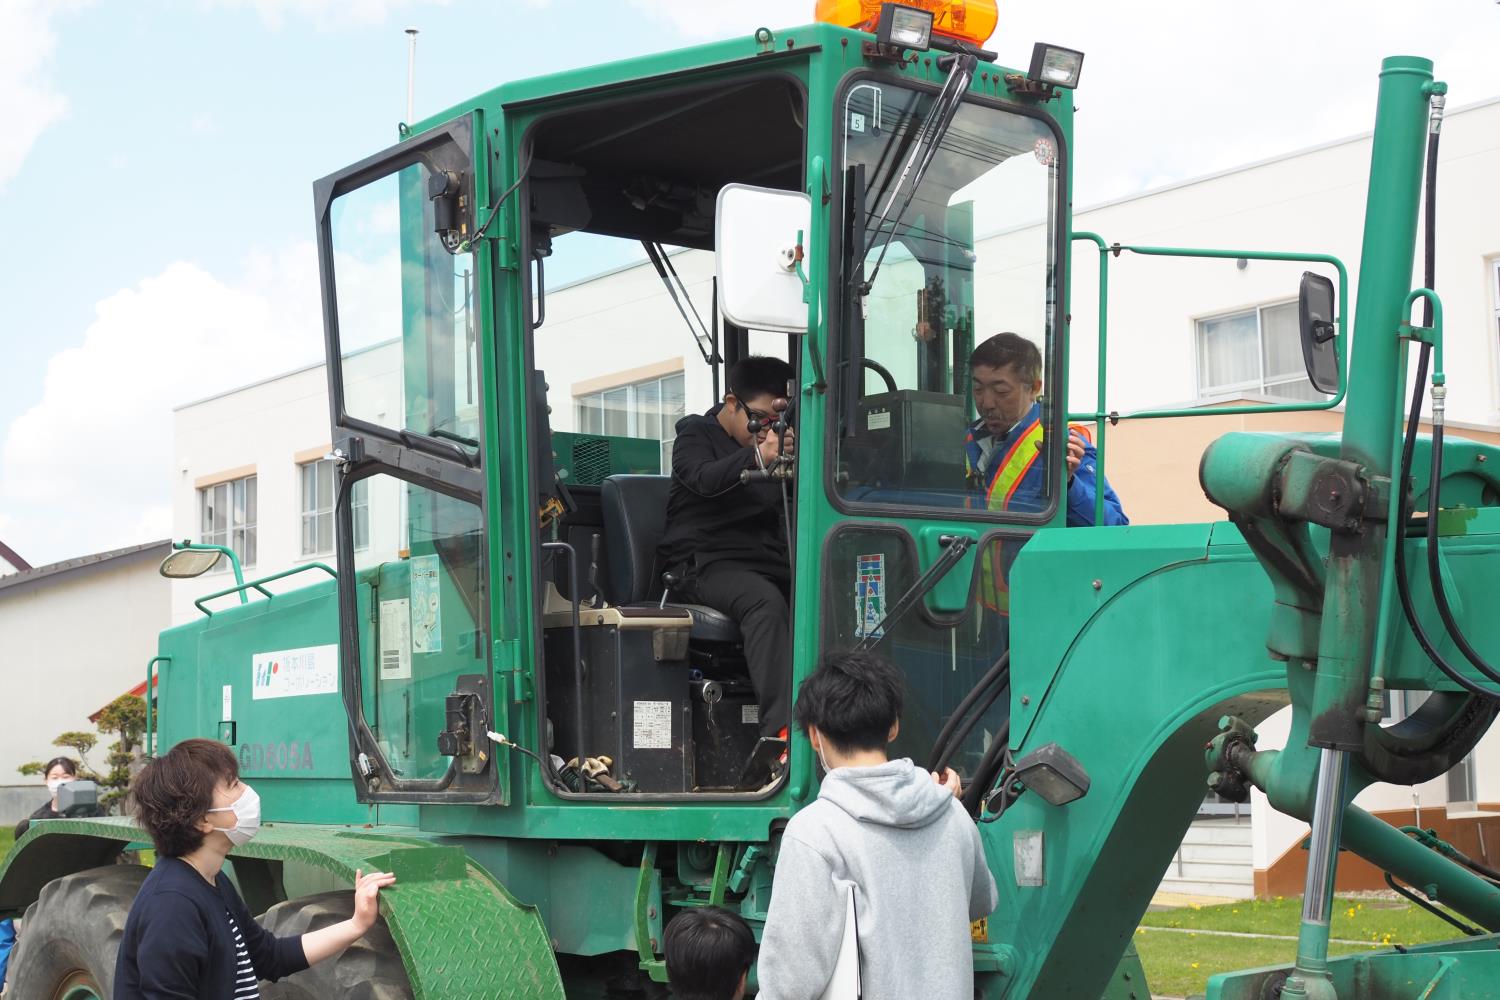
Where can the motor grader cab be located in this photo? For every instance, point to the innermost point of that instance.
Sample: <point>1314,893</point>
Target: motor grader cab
<point>495,692</point>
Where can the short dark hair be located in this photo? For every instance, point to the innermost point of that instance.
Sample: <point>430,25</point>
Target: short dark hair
<point>758,375</point>
<point>66,763</point>
<point>174,791</point>
<point>853,698</point>
<point>708,949</point>
<point>1009,349</point>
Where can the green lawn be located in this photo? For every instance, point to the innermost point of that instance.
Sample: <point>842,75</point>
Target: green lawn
<point>7,839</point>
<point>1179,964</point>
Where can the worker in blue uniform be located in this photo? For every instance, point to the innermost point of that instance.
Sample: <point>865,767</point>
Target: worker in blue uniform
<point>1005,458</point>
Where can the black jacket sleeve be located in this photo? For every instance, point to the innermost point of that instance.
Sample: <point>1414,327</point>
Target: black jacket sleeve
<point>695,466</point>
<point>273,957</point>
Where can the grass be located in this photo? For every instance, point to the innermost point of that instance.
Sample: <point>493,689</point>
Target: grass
<point>7,839</point>
<point>1179,964</point>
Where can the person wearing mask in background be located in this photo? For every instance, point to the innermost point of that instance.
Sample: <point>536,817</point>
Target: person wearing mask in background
<point>60,771</point>
<point>189,933</point>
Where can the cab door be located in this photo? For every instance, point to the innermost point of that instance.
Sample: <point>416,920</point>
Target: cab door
<point>406,303</point>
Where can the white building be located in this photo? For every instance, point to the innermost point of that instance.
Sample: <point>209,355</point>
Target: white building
<point>77,634</point>
<point>1182,333</point>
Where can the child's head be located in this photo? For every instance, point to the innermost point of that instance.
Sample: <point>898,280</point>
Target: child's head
<point>709,951</point>
<point>853,700</point>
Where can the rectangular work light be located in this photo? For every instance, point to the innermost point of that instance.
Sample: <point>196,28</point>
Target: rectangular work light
<point>904,27</point>
<point>1055,66</point>
<point>1054,774</point>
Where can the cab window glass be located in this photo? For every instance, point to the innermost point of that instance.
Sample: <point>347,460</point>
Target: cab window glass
<point>974,255</point>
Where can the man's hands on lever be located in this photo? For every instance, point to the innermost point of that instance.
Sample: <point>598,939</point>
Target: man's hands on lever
<point>771,448</point>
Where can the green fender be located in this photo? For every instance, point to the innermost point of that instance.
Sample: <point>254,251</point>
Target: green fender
<point>461,935</point>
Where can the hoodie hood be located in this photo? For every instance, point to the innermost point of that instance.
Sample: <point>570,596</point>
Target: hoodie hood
<point>896,793</point>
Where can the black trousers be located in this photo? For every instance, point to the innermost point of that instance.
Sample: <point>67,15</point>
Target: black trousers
<point>758,604</point>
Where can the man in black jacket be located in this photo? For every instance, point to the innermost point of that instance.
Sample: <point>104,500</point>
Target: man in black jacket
<point>726,539</point>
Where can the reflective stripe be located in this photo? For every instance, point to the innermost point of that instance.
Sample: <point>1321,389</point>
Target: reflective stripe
<point>1013,468</point>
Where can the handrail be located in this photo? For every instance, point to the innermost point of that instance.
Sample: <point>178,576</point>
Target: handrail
<point>149,746</point>
<point>1102,415</point>
<point>258,585</point>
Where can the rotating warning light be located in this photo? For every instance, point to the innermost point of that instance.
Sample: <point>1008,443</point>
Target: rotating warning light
<point>969,21</point>
<point>1055,66</point>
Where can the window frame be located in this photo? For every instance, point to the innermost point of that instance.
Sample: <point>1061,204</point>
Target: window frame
<point>633,415</point>
<point>1054,350</point>
<point>247,527</point>
<point>1259,386</point>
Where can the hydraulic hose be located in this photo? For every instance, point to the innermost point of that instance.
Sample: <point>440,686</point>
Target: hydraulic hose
<point>988,769</point>
<point>1403,585</point>
<point>947,741</point>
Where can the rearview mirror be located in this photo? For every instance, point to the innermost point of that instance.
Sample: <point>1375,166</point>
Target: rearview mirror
<point>184,564</point>
<point>757,257</point>
<point>1317,314</point>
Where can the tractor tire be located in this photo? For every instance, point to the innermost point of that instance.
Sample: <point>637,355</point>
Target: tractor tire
<point>70,937</point>
<point>369,969</point>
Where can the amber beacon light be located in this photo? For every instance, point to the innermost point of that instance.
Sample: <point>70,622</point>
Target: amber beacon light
<point>971,21</point>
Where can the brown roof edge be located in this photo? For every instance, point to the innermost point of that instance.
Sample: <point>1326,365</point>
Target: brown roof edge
<point>37,573</point>
<point>9,555</point>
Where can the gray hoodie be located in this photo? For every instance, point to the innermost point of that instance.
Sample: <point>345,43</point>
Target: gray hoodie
<point>919,875</point>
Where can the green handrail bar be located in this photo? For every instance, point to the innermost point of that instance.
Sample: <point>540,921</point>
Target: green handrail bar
<point>1102,416</point>
<point>150,745</point>
<point>259,585</point>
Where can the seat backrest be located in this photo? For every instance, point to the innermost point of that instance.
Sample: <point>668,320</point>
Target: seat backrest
<point>635,515</point>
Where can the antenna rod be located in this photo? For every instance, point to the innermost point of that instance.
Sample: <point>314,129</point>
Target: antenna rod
<point>411,72</point>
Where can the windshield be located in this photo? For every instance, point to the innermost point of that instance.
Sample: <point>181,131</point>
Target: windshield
<point>974,255</point>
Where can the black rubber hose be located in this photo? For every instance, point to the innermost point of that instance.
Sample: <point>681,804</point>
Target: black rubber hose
<point>940,748</point>
<point>1434,568</point>
<point>957,740</point>
<point>988,770</point>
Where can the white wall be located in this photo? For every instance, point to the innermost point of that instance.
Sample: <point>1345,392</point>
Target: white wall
<point>72,643</point>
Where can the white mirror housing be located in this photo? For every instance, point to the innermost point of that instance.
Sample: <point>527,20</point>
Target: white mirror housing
<point>755,244</point>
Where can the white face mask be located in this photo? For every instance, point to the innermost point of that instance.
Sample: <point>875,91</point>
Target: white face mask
<point>53,784</point>
<point>821,759</point>
<point>246,811</point>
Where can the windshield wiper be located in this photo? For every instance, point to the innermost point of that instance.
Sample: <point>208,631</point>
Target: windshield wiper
<point>707,344</point>
<point>929,138</point>
<point>955,547</point>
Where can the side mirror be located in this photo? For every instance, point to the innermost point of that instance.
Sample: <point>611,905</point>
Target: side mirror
<point>184,564</point>
<point>1317,315</point>
<point>756,256</point>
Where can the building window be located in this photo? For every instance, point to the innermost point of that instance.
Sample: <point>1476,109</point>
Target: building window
<point>647,409</point>
<point>1258,352</point>
<point>318,498</point>
<point>227,515</point>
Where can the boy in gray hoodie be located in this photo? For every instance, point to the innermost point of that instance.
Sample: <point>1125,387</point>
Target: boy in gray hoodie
<point>892,831</point>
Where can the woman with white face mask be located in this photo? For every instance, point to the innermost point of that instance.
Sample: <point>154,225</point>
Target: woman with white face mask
<point>60,771</point>
<point>189,933</point>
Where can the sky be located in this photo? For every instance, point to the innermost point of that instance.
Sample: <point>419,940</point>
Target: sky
<point>157,161</point>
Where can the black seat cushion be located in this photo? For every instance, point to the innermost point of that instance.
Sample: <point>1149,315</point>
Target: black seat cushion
<point>635,516</point>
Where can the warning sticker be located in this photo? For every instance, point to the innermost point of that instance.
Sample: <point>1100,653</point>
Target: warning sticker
<point>426,606</point>
<point>750,715</point>
<point>869,596</point>
<point>395,639</point>
<point>653,725</point>
<point>291,673</point>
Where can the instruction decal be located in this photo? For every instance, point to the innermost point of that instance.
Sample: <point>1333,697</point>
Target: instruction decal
<point>426,606</point>
<point>869,596</point>
<point>292,673</point>
<point>653,725</point>
<point>395,639</point>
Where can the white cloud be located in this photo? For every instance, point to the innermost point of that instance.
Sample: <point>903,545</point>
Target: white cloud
<point>87,468</point>
<point>325,14</point>
<point>29,104</point>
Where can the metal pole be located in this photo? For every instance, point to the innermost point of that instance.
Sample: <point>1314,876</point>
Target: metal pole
<point>411,73</point>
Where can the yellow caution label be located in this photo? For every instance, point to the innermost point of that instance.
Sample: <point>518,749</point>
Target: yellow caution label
<point>979,930</point>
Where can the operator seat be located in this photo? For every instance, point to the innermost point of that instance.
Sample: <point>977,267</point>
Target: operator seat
<point>635,516</point>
